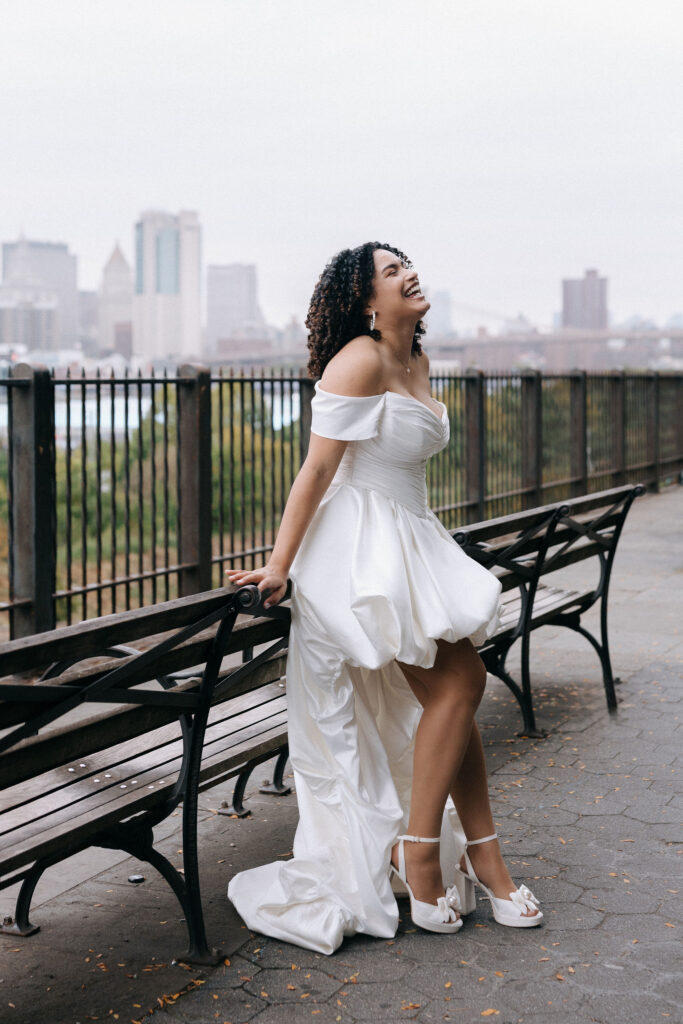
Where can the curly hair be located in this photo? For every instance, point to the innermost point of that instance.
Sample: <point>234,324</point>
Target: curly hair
<point>337,310</point>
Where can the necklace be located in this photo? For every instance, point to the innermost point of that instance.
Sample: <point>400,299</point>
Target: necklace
<point>406,366</point>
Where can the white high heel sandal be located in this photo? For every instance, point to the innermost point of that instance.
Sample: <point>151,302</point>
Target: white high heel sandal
<point>438,917</point>
<point>510,912</point>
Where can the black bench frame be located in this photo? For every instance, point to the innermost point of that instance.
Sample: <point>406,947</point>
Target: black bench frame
<point>521,549</point>
<point>187,699</point>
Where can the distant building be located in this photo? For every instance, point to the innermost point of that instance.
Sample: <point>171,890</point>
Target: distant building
<point>294,337</point>
<point>584,301</point>
<point>166,301</point>
<point>439,316</point>
<point>87,321</point>
<point>519,324</point>
<point>47,267</point>
<point>115,304</point>
<point>28,320</point>
<point>232,306</point>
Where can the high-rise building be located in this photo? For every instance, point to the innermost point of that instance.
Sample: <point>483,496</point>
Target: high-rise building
<point>115,302</point>
<point>584,301</point>
<point>27,321</point>
<point>87,321</point>
<point>48,267</point>
<point>232,307</point>
<point>166,301</point>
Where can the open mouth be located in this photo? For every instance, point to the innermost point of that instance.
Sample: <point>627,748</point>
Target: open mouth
<point>414,292</point>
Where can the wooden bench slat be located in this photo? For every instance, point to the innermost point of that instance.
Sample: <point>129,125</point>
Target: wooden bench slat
<point>88,639</point>
<point>124,805</point>
<point>70,742</point>
<point>523,520</point>
<point>39,791</point>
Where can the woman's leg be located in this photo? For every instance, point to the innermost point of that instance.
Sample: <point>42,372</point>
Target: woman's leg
<point>449,758</point>
<point>449,693</point>
<point>470,794</point>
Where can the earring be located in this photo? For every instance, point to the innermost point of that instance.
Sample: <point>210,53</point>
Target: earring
<point>373,317</point>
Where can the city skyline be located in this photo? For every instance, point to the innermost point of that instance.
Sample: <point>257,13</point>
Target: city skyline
<point>502,146</point>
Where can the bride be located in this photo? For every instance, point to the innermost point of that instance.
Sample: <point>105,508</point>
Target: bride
<point>383,679</point>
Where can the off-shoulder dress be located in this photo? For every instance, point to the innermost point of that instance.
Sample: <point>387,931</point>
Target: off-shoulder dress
<point>377,580</point>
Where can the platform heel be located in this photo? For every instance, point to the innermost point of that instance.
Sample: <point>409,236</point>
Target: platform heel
<point>466,892</point>
<point>439,917</point>
<point>511,912</point>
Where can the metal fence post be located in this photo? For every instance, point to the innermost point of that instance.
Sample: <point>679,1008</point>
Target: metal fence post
<point>306,393</point>
<point>652,398</point>
<point>617,412</point>
<point>33,555</point>
<point>194,479</point>
<point>475,446</point>
<point>578,426</point>
<point>532,439</point>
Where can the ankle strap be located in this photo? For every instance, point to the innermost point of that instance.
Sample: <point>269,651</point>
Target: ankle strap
<point>486,839</point>
<point>401,850</point>
<point>419,839</point>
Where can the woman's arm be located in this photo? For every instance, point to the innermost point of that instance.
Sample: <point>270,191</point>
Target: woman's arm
<point>355,371</point>
<point>314,477</point>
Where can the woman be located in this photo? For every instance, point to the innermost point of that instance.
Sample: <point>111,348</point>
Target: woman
<point>383,679</point>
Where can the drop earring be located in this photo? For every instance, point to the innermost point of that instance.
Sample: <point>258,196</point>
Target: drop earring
<point>373,317</point>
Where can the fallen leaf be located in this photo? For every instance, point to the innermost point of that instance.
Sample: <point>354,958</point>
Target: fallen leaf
<point>489,1013</point>
<point>559,977</point>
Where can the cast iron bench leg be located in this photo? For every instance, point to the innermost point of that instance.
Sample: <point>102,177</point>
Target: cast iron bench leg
<point>277,787</point>
<point>21,925</point>
<point>237,808</point>
<point>140,843</point>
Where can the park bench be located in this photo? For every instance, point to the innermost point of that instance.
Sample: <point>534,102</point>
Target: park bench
<point>111,738</point>
<point>178,719</point>
<point>522,549</point>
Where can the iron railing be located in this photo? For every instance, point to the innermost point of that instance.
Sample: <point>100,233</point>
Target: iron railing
<point>116,492</point>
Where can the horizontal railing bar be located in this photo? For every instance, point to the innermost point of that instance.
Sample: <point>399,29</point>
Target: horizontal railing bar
<point>146,574</point>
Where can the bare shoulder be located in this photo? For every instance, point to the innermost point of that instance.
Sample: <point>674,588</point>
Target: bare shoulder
<point>356,370</point>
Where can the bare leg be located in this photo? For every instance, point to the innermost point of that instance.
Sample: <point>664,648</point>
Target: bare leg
<point>471,797</point>
<point>449,757</point>
<point>449,693</point>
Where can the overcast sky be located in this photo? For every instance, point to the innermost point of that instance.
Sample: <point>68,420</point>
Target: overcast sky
<point>503,144</point>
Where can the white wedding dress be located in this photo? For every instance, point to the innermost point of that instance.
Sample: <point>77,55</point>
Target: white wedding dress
<point>376,579</point>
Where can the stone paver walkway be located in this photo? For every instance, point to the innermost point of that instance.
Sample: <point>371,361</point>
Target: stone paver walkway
<point>590,816</point>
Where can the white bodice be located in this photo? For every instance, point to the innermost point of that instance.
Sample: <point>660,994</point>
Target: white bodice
<point>394,437</point>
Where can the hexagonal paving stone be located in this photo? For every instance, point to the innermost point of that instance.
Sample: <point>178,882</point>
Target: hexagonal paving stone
<point>649,812</point>
<point>231,1004</point>
<point>570,917</point>
<point>629,1007</point>
<point>288,1014</point>
<point>369,965</point>
<point>282,985</point>
<point>620,900</point>
<point>390,1002</point>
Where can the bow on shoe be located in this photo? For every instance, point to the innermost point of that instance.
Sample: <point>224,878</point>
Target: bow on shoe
<point>449,904</point>
<point>524,899</point>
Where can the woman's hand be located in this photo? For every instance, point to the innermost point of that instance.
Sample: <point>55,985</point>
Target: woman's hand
<point>271,581</point>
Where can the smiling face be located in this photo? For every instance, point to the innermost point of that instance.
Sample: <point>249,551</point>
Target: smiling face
<point>397,295</point>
